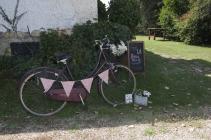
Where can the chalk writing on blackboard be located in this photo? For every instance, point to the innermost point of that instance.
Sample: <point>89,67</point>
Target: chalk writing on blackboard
<point>136,56</point>
<point>135,59</point>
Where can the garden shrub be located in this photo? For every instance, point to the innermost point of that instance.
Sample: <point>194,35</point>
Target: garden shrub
<point>168,21</point>
<point>170,14</point>
<point>81,44</point>
<point>196,29</point>
<point>177,7</point>
<point>15,67</point>
<point>23,64</point>
<point>52,42</point>
<point>5,63</point>
<point>188,20</point>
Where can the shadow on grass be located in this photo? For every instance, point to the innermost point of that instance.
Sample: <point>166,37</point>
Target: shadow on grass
<point>180,90</point>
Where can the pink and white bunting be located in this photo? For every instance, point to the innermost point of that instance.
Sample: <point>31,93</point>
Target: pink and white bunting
<point>68,86</point>
<point>104,76</point>
<point>87,83</point>
<point>47,84</point>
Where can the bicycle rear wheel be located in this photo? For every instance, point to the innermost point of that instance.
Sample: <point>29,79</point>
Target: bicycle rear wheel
<point>121,82</point>
<point>32,95</point>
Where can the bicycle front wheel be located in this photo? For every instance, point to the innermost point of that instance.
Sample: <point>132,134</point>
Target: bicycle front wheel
<point>121,82</point>
<point>32,95</point>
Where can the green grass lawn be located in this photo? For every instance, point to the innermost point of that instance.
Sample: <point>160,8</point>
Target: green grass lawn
<point>177,75</point>
<point>176,50</point>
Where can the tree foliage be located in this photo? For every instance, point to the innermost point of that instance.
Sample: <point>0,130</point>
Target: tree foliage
<point>167,20</point>
<point>170,13</point>
<point>187,20</point>
<point>176,7</point>
<point>125,12</point>
<point>102,13</point>
<point>149,13</point>
<point>196,28</point>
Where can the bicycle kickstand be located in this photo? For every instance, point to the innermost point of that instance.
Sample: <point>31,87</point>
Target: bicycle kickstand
<point>85,106</point>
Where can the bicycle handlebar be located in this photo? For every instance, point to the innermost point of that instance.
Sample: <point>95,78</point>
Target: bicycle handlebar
<point>104,43</point>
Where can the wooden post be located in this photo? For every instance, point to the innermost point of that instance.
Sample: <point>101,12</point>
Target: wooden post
<point>154,34</point>
<point>149,34</point>
<point>164,36</point>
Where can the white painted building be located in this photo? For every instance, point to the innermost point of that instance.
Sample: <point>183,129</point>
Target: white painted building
<point>51,13</point>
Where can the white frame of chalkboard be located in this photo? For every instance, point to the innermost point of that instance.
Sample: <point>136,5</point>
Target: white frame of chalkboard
<point>143,56</point>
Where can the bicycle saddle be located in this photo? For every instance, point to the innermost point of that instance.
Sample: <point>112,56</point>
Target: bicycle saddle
<point>62,57</point>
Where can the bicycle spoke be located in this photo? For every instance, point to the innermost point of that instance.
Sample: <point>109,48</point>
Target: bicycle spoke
<point>120,84</point>
<point>33,97</point>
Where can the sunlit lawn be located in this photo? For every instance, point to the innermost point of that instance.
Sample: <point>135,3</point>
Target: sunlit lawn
<point>176,73</point>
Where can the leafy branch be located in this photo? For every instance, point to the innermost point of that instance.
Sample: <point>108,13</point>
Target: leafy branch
<point>12,22</point>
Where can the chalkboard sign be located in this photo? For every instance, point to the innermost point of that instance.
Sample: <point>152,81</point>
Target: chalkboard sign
<point>24,48</point>
<point>136,56</point>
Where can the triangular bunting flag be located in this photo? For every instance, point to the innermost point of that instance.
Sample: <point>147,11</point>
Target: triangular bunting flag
<point>68,86</point>
<point>87,83</point>
<point>47,84</point>
<point>104,76</point>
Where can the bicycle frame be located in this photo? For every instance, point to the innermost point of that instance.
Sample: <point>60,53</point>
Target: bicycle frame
<point>96,70</point>
<point>102,57</point>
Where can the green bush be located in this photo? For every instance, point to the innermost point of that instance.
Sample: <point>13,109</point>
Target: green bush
<point>196,29</point>
<point>23,64</point>
<point>168,21</point>
<point>188,20</point>
<point>81,44</point>
<point>5,63</point>
<point>52,42</point>
<point>15,67</point>
<point>177,7</point>
<point>125,12</point>
<point>170,14</point>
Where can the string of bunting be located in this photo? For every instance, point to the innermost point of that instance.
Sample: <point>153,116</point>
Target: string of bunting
<point>68,85</point>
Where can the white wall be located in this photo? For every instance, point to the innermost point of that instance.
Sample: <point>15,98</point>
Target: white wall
<point>51,13</point>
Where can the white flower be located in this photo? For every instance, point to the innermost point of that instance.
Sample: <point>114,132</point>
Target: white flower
<point>147,93</point>
<point>113,49</point>
<point>118,50</point>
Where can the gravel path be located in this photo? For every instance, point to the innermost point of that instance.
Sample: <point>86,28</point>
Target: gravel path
<point>167,131</point>
<point>92,127</point>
